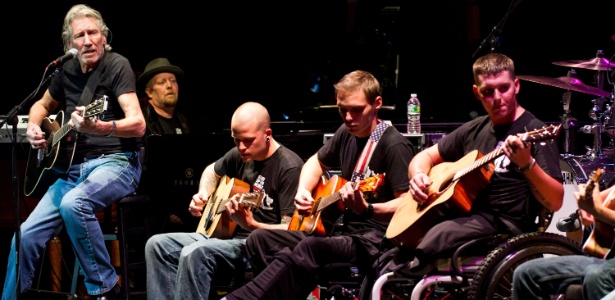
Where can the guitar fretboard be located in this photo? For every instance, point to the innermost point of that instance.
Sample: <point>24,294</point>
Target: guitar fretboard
<point>532,136</point>
<point>59,134</point>
<point>478,163</point>
<point>328,200</point>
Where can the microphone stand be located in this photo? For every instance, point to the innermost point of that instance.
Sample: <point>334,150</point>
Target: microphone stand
<point>493,37</point>
<point>12,119</point>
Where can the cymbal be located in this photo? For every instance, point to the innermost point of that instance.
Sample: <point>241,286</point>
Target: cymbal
<point>566,82</point>
<point>597,63</point>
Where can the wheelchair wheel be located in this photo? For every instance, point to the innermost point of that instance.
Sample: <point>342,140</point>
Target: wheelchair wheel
<point>493,279</point>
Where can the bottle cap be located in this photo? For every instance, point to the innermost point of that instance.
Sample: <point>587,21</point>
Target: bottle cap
<point>413,95</point>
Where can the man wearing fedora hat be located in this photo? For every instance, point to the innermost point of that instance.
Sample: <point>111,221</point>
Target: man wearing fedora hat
<point>159,83</point>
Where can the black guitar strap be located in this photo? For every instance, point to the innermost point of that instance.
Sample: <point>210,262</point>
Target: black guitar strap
<point>90,87</point>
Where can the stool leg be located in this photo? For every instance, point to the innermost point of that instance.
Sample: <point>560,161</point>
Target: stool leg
<point>55,263</point>
<point>122,247</point>
<point>76,270</point>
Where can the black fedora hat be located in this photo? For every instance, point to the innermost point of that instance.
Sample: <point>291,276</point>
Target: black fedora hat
<point>156,66</point>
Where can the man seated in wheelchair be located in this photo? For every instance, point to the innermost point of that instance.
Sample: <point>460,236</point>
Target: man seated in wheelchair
<point>543,277</point>
<point>508,178</point>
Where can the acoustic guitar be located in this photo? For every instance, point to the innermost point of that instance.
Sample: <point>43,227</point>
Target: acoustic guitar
<point>454,185</point>
<point>323,217</point>
<point>602,238</point>
<point>218,225</point>
<point>58,154</point>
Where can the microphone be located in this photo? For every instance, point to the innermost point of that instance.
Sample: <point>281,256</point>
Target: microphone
<point>70,54</point>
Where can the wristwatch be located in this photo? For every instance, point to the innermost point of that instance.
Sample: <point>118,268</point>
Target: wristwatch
<point>528,166</point>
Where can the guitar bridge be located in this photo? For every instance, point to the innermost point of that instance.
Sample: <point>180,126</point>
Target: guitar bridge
<point>39,157</point>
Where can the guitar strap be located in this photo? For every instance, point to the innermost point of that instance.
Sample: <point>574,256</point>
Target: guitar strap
<point>90,87</point>
<point>368,150</point>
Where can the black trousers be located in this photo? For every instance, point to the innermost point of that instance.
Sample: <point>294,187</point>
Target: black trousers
<point>442,239</point>
<point>293,262</point>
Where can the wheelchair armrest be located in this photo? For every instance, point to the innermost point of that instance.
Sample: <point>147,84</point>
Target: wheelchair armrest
<point>455,269</point>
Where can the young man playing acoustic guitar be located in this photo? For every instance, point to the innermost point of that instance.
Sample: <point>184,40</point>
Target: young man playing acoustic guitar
<point>524,176</point>
<point>293,259</point>
<point>543,277</point>
<point>184,265</point>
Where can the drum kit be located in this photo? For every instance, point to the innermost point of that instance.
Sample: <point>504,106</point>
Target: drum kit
<point>576,169</point>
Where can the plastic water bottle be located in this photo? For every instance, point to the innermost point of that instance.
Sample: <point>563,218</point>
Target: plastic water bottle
<point>414,114</point>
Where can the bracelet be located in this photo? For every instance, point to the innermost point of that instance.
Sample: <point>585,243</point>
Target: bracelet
<point>112,129</point>
<point>528,166</point>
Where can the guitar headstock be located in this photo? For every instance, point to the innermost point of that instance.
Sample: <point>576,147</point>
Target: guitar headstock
<point>593,179</point>
<point>96,108</point>
<point>542,134</point>
<point>252,200</point>
<point>371,184</point>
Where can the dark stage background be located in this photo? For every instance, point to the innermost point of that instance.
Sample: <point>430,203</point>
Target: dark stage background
<point>274,53</point>
<point>234,51</point>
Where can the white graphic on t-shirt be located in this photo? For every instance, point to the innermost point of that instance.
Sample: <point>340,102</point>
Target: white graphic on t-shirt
<point>502,162</point>
<point>267,202</point>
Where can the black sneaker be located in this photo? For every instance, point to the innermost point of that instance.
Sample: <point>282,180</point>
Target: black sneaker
<point>417,269</point>
<point>112,294</point>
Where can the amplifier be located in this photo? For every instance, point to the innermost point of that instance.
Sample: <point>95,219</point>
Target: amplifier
<point>6,132</point>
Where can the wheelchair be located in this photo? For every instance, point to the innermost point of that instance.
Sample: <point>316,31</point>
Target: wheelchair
<point>480,269</point>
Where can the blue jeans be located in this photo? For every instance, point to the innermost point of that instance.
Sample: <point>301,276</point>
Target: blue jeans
<point>182,265</point>
<point>540,278</point>
<point>71,202</point>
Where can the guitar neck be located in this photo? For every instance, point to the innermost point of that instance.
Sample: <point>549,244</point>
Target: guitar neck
<point>248,200</point>
<point>60,133</point>
<point>367,185</point>
<point>546,133</point>
<point>479,163</point>
<point>328,200</point>
<point>92,110</point>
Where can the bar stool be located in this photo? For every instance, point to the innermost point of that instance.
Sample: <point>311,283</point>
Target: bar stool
<point>131,264</point>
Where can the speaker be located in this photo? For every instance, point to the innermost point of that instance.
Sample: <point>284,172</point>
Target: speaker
<point>32,294</point>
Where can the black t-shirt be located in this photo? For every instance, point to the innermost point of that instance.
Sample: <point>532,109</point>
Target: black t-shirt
<point>116,78</point>
<point>508,192</point>
<point>277,176</point>
<point>391,157</point>
<point>157,124</point>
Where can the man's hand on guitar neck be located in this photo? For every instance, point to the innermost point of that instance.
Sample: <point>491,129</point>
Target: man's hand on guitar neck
<point>82,124</point>
<point>599,207</point>
<point>518,151</point>
<point>239,213</point>
<point>353,198</point>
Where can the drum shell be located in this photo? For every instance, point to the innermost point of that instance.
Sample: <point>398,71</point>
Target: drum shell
<point>576,170</point>
<point>581,167</point>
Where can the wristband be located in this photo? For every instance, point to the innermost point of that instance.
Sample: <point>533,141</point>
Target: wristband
<point>369,212</point>
<point>528,166</point>
<point>112,129</point>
